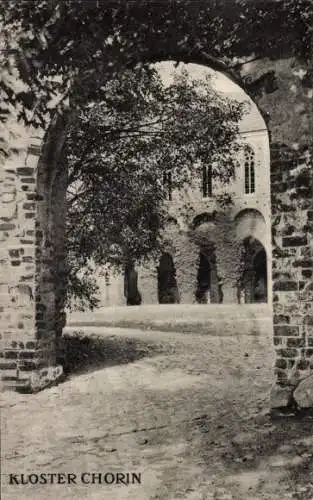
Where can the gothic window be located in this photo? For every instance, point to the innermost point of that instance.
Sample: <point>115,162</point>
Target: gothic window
<point>167,183</point>
<point>206,181</point>
<point>249,171</point>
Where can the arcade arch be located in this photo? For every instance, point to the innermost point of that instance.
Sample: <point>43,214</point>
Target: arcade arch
<point>48,196</point>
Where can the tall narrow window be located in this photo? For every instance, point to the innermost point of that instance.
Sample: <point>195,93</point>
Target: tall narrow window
<point>167,183</point>
<point>206,181</point>
<point>249,171</point>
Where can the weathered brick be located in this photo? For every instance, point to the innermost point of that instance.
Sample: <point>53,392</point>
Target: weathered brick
<point>7,226</point>
<point>308,320</point>
<point>31,345</point>
<point>27,242</point>
<point>310,215</point>
<point>281,318</point>
<point>11,354</point>
<point>285,286</point>
<point>287,353</point>
<point>8,366</point>
<point>29,206</point>
<point>30,196</point>
<point>295,342</point>
<point>281,376</point>
<point>303,263</point>
<point>14,253</point>
<point>281,363</point>
<point>27,354</point>
<point>303,364</point>
<point>28,180</point>
<point>278,341</point>
<point>294,241</point>
<point>25,171</point>
<point>28,366</point>
<point>28,258</point>
<point>286,330</point>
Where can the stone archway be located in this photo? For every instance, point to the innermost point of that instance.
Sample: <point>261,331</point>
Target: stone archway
<point>168,292</point>
<point>28,232</point>
<point>208,287</point>
<point>254,282</point>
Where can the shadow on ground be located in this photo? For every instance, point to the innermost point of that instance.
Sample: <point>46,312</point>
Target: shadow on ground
<point>265,448</point>
<point>82,354</point>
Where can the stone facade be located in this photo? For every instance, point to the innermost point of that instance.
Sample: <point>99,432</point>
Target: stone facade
<point>199,225</point>
<point>32,239</point>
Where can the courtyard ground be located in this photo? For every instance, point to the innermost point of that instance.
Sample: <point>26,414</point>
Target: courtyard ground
<point>188,411</point>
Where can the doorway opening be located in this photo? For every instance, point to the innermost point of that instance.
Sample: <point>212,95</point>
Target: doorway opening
<point>167,284</point>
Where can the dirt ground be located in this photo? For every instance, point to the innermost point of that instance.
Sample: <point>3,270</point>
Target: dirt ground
<point>189,412</point>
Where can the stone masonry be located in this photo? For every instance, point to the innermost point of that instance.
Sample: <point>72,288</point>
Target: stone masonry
<point>32,264</point>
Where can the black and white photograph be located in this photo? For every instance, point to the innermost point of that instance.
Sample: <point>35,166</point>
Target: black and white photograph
<point>156,249</point>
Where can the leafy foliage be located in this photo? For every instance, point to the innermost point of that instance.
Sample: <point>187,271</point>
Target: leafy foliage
<point>64,50</point>
<point>120,147</point>
<point>60,45</point>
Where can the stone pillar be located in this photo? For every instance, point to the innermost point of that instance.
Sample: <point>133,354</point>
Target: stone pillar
<point>148,283</point>
<point>25,358</point>
<point>214,285</point>
<point>228,260</point>
<point>33,256</point>
<point>230,292</point>
<point>17,269</point>
<point>186,260</point>
<point>292,275</point>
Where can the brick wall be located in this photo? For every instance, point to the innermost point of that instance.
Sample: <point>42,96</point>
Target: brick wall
<point>290,109</point>
<point>17,267</point>
<point>292,264</point>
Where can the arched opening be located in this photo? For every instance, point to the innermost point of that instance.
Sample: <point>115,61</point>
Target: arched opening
<point>202,219</point>
<point>208,282</point>
<point>167,284</point>
<point>260,267</point>
<point>209,288</point>
<point>254,284</point>
<point>250,222</point>
<point>203,280</point>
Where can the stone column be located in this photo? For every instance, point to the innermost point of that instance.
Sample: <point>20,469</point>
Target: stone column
<point>186,260</point>
<point>228,259</point>
<point>148,283</point>
<point>21,357</point>
<point>32,242</point>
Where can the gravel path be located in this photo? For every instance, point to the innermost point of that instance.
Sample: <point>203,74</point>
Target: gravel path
<point>190,414</point>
